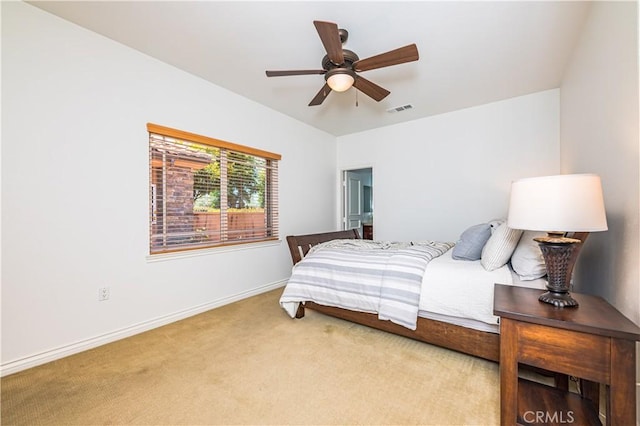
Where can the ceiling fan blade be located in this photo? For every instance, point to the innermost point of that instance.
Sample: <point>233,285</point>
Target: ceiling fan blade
<point>321,95</point>
<point>370,89</point>
<point>330,37</point>
<point>293,72</point>
<point>393,57</point>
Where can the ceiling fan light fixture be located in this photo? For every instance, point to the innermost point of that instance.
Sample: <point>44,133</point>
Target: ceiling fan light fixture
<point>340,79</point>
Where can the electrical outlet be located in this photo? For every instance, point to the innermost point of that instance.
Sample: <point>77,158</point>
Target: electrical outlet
<point>103,293</point>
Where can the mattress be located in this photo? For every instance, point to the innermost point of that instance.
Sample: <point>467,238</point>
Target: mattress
<point>460,292</point>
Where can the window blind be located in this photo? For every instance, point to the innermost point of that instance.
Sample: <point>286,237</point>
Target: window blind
<point>205,192</point>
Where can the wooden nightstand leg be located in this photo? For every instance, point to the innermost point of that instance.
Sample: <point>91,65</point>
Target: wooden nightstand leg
<point>508,373</point>
<point>561,381</point>
<point>622,392</point>
<point>591,391</point>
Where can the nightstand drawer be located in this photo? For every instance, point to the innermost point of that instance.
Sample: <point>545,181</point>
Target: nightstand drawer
<point>567,348</point>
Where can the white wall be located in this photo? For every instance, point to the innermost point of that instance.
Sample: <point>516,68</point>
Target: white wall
<point>75,189</point>
<point>437,176</point>
<point>600,134</point>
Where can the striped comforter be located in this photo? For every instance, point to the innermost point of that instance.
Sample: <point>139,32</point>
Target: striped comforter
<point>361,275</point>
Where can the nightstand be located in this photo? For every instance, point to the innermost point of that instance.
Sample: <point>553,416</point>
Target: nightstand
<point>367,231</point>
<point>593,342</point>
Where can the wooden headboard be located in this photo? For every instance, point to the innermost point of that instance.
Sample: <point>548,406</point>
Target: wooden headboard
<point>299,245</point>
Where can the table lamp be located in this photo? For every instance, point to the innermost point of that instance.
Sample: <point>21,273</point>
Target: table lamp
<point>558,205</point>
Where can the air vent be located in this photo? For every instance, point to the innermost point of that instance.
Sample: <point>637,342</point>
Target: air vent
<point>399,108</point>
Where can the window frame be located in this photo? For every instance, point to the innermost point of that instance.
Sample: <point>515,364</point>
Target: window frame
<point>271,194</point>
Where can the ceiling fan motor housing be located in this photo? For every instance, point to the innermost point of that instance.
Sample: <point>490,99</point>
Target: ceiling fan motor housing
<point>349,58</point>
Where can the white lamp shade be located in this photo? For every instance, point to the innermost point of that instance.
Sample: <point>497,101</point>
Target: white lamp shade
<point>562,203</point>
<point>340,81</point>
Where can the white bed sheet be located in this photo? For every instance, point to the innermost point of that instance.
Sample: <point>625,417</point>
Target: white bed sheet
<point>462,322</point>
<point>461,292</point>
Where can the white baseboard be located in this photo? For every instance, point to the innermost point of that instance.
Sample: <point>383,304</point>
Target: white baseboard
<point>83,345</point>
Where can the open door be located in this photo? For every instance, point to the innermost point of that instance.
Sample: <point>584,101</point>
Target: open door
<point>353,201</point>
<point>355,183</point>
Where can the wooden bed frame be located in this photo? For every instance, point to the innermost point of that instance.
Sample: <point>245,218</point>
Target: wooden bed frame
<point>469,341</point>
<point>482,344</point>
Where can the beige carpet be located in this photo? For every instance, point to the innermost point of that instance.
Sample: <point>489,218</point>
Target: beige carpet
<point>249,363</point>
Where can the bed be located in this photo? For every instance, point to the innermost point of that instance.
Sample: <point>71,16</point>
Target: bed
<point>436,324</point>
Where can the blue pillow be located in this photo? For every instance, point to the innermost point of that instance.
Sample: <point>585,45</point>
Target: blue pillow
<point>471,242</point>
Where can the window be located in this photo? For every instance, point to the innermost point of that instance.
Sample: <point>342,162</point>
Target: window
<point>204,192</point>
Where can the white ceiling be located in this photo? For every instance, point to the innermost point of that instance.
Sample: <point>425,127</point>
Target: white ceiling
<point>471,53</point>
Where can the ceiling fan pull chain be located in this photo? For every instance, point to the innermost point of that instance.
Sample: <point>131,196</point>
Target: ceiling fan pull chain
<point>356,98</point>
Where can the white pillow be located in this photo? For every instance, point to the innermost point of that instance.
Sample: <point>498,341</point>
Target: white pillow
<point>500,246</point>
<point>495,224</point>
<point>527,260</point>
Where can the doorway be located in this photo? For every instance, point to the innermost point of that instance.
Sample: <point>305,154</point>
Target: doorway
<point>357,201</point>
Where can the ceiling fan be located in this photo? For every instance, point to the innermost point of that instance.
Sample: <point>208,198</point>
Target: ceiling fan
<point>341,66</point>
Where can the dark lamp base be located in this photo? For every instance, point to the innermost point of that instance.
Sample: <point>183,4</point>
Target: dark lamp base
<point>559,300</point>
<point>560,254</point>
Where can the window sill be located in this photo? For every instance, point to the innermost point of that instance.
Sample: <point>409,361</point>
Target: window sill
<point>152,258</point>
